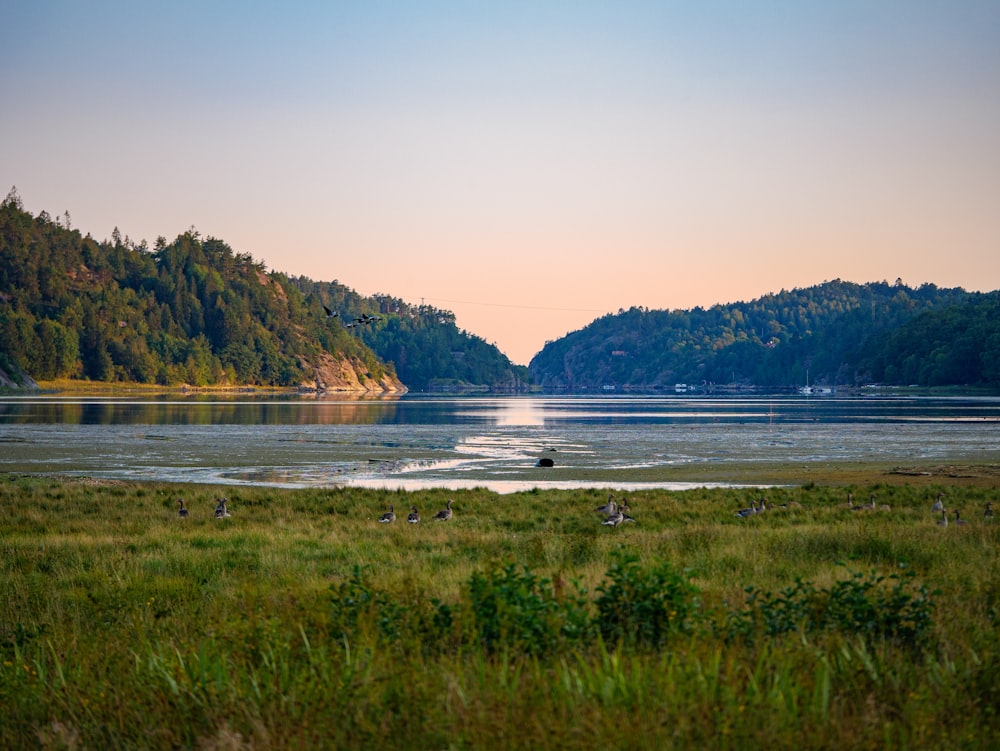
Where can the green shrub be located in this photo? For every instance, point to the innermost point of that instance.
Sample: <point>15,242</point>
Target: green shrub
<point>644,606</point>
<point>859,606</point>
<point>514,609</point>
<point>359,608</point>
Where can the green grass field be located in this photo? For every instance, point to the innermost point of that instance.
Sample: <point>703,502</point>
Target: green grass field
<point>301,622</point>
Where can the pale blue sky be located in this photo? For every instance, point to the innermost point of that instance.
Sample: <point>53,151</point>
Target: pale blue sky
<point>528,165</point>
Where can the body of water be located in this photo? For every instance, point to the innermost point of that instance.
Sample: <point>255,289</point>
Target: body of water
<point>417,441</point>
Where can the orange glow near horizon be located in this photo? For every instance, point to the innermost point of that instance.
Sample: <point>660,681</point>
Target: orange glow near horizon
<point>529,168</point>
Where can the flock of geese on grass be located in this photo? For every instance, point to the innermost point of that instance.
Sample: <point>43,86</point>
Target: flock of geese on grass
<point>756,508</point>
<point>938,507</point>
<point>221,510</point>
<point>413,517</point>
<point>616,513</point>
<point>613,512</point>
<point>759,508</point>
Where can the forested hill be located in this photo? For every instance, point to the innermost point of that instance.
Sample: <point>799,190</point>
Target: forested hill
<point>833,334</point>
<point>428,350</point>
<point>188,312</point>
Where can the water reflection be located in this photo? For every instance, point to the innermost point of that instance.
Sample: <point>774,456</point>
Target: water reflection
<point>421,441</point>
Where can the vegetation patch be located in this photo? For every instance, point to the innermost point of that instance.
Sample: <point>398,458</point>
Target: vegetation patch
<point>287,626</point>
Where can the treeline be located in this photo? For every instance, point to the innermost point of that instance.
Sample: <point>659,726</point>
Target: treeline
<point>959,344</point>
<point>194,311</point>
<point>833,334</point>
<point>423,343</point>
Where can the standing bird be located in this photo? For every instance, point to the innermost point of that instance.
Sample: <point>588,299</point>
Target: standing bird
<point>414,516</point>
<point>444,514</point>
<point>988,511</point>
<point>625,514</point>
<point>182,512</point>
<point>959,519</point>
<point>943,521</point>
<point>938,504</point>
<point>221,512</point>
<point>750,510</point>
<point>389,516</point>
<point>608,507</point>
<point>615,518</point>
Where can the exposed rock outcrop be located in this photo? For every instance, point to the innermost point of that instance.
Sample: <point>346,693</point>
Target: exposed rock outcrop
<point>16,379</point>
<point>347,375</point>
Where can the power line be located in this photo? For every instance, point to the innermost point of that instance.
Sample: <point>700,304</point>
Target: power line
<point>510,305</point>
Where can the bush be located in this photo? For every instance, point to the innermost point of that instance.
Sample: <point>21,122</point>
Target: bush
<point>358,608</point>
<point>858,605</point>
<point>644,607</point>
<point>511,609</point>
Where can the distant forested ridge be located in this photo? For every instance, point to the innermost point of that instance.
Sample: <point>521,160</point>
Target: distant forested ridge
<point>423,343</point>
<point>193,312</point>
<point>832,334</point>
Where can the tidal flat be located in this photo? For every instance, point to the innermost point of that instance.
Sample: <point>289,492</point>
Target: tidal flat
<point>301,621</point>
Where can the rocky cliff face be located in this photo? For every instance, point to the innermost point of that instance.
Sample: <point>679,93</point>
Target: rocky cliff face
<point>16,380</point>
<point>331,374</point>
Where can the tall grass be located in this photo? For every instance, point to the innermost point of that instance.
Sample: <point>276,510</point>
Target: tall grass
<point>523,622</point>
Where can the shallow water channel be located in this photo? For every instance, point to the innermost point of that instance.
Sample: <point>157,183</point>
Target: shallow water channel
<point>417,441</point>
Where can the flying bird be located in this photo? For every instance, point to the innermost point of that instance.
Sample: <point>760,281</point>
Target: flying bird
<point>331,313</point>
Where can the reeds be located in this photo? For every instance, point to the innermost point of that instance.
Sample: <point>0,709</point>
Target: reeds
<point>300,622</point>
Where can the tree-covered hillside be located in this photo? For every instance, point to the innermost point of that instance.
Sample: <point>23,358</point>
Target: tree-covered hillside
<point>191,311</point>
<point>836,333</point>
<point>423,343</point>
<point>194,311</point>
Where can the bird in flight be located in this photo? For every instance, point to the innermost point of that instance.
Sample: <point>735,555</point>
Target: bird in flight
<point>331,313</point>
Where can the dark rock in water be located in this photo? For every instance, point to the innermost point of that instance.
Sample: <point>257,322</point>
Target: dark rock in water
<point>545,462</point>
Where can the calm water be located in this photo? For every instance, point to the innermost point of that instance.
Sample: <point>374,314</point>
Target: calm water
<point>420,441</point>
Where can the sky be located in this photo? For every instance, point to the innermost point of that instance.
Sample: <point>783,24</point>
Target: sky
<point>530,166</point>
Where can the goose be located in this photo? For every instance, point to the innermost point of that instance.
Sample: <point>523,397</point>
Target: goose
<point>988,511</point>
<point>389,516</point>
<point>331,313</point>
<point>182,512</point>
<point>615,518</point>
<point>763,506</point>
<point>751,510</point>
<point>938,504</point>
<point>414,516</point>
<point>959,519</point>
<point>870,506</point>
<point>850,501</point>
<point>625,515</point>
<point>790,505</point>
<point>221,512</point>
<point>943,521</point>
<point>444,514</point>
<point>608,507</point>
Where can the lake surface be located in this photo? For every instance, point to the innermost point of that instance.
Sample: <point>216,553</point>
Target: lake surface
<point>418,441</point>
